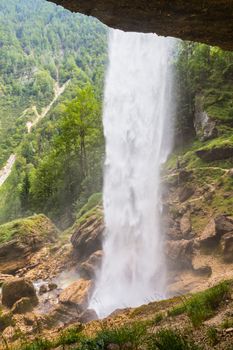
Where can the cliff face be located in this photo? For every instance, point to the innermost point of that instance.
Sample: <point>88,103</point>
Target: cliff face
<point>209,21</point>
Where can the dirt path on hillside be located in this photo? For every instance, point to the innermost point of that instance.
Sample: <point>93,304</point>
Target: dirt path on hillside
<point>58,90</point>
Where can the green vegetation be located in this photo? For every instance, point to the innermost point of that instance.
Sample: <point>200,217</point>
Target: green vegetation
<point>126,337</point>
<point>203,74</point>
<point>203,305</point>
<point>171,339</point>
<point>212,335</point>
<point>59,164</point>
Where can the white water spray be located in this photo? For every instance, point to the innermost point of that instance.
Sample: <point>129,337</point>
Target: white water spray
<point>137,126</point>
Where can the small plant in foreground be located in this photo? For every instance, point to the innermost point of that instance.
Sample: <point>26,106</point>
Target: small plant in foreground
<point>202,305</point>
<point>168,339</point>
<point>157,319</point>
<point>227,323</point>
<point>134,334</point>
<point>70,336</point>
<point>212,335</point>
<point>38,344</point>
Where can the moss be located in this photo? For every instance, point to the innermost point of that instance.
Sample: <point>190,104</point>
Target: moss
<point>93,201</point>
<point>96,212</point>
<point>37,224</point>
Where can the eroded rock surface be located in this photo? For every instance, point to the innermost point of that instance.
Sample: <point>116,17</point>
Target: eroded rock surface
<point>20,239</point>
<point>210,22</point>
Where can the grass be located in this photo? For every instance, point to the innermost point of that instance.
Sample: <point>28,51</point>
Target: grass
<point>168,339</point>
<point>203,305</point>
<point>227,323</point>
<point>212,336</point>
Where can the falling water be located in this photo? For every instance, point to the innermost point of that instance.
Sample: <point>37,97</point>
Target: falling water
<point>137,126</point>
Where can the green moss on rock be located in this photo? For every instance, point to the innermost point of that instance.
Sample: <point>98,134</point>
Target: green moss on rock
<point>38,225</point>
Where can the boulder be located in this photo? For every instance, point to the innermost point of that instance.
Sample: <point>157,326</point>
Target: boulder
<point>185,193</point>
<point>215,153</point>
<point>226,244</point>
<point>21,238</point>
<point>216,228</point>
<point>77,294</point>
<point>179,253</point>
<point>18,288</point>
<point>43,289</point>
<point>23,305</point>
<point>87,235</point>
<point>88,268</point>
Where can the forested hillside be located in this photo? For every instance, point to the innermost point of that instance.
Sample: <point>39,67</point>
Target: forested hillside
<point>44,50</point>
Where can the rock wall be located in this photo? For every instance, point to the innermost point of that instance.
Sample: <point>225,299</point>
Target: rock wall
<point>209,21</point>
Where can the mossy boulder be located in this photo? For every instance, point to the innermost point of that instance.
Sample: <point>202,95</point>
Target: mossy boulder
<point>16,289</point>
<point>19,239</point>
<point>86,233</point>
<point>215,153</point>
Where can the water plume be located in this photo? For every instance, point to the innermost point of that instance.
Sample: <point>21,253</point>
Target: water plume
<point>138,132</point>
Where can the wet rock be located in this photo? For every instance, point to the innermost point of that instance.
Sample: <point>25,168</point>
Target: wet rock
<point>185,193</point>
<point>87,316</point>
<point>18,288</point>
<point>215,153</point>
<point>226,245</point>
<point>88,268</point>
<point>179,253</point>
<point>77,293</point>
<point>63,314</point>
<point>43,289</point>
<point>87,236</point>
<point>52,286</point>
<point>22,306</point>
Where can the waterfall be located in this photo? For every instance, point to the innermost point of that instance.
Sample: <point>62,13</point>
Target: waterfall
<point>138,133</point>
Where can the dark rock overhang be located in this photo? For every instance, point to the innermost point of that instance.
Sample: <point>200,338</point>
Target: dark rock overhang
<point>207,21</point>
